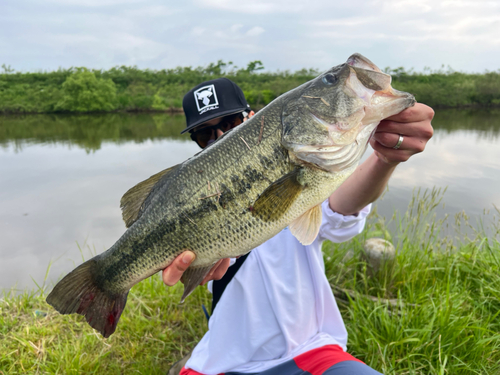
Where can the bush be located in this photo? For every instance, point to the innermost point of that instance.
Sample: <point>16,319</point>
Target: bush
<point>83,92</point>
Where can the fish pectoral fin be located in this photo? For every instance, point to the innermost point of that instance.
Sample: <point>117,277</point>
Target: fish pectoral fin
<point>132,202</point>
<point>306,227</point>
<point>192,277</point>
<point>279,196</point>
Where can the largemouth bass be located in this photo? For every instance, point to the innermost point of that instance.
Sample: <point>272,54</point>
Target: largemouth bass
<point>273,171</point>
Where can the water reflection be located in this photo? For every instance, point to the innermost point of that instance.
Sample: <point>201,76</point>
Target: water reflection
<point>484,123</point>
<point>89,131</point>
<point>62,178</point>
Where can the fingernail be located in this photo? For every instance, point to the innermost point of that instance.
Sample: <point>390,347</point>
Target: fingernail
<point>187,258</point>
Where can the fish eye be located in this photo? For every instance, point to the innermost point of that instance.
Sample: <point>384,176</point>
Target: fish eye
<point>329,79</point>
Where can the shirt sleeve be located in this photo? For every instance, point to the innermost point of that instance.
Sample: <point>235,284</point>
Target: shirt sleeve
<point>339,228</point>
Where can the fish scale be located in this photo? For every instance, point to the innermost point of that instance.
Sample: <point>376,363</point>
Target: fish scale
<point>220,166</point>
<point>272,171</point>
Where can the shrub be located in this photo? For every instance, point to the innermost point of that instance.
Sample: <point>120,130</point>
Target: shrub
<point>84,92</point>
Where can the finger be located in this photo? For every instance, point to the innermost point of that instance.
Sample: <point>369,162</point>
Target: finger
<point>413,128</point>
<point>208,277</point>
<point>218,271</point>
<point>419,112</point>
<point>173,273</point>
<point>421,130</point>
<point>389,140</point>
<point>413,144</point>
<point>391,156</point>
<point>221,269</point>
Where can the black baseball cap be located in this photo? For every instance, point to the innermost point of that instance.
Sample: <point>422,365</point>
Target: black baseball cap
<point>211,99</point>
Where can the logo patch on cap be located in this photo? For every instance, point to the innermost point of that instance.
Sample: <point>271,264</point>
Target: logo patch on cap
<point>206,99</point>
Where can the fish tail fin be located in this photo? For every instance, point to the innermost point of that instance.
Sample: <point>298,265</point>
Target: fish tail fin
<point>78,293</point>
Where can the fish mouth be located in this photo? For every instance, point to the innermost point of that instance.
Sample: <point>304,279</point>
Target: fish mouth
<point>375,100</point>
<point>368,83</point>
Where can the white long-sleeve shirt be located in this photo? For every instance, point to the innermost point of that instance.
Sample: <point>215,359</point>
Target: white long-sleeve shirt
<point>278,305</point>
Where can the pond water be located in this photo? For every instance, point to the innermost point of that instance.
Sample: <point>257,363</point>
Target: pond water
<point>62,177</point>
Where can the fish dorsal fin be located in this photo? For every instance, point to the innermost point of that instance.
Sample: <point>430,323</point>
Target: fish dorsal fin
<point>306,227</point>
<point>132,202</point>
<point>279,196</point>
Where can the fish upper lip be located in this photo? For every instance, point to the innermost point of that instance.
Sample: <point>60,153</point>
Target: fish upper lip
<point>360,61</point>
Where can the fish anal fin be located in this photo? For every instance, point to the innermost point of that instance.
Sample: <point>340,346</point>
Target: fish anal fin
<point>78,293</point>
<point>279,196</point>
<point>192,277</point>
<point>306,227</point>
<point>132,202</point>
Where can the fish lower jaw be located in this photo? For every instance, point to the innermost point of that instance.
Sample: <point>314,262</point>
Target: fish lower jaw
<point>331,158</point>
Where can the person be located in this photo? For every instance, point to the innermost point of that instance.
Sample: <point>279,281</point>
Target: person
<point>273,310</point>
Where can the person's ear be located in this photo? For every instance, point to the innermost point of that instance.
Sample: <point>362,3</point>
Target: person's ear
<point>249,116</point>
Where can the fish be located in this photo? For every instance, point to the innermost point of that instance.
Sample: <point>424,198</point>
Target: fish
<point>271,172</point>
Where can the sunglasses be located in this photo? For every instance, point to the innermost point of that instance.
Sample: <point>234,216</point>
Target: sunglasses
<point>203,136</point>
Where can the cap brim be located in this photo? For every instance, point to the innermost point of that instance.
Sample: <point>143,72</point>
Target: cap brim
<point>219,114</point>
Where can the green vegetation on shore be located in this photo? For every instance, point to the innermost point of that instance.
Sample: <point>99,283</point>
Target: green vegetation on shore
<point>132,89</point>
<point>435,310</point>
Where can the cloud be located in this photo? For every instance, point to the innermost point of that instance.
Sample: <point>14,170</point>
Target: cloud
<point>256,6</point>
<point>150,11</point>
<point>349,22</point>
<point>92,3</point>
<point>255,31</point>
<point>235,28</point>
<point>157,34</point>
<point>405,6</point>
<point>198,31</point>
<point>417,21</point>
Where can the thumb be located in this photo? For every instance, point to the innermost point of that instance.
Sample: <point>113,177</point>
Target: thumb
<point>173,273</point>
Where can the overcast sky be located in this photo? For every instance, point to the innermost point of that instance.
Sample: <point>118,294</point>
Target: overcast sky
<point>283,34</point>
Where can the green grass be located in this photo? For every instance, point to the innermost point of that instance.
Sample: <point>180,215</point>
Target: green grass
<point>444,318</point>
<point>436,312</point>
<point>154,331</point>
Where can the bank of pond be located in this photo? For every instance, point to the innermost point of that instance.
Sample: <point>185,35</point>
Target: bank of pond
<point>132,89</point>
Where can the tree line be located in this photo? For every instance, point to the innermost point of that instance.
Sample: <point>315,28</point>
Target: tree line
<point>126,88</point>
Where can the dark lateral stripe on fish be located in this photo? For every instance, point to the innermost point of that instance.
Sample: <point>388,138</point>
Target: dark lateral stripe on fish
<point>204,208</point>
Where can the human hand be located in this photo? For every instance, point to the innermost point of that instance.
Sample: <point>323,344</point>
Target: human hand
<point>414,124</point>
<point>173,273</point>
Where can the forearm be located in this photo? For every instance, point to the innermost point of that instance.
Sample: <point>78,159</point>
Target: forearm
<point>364,186</point>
